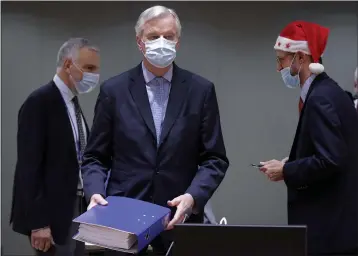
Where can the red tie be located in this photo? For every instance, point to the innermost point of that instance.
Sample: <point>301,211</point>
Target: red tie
<point>300,105</point>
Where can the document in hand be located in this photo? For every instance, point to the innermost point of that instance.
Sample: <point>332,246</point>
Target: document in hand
<point>125,224</point>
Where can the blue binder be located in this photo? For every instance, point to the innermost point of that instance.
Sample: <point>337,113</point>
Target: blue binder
<point>144,220</point>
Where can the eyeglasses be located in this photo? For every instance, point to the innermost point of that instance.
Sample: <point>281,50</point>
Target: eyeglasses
<point>280,59</point>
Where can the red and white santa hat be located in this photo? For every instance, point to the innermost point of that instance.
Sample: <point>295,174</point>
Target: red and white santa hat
<point>306,37</point>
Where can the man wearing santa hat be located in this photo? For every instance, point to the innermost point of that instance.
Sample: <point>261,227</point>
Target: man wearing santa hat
<point>321,172</point>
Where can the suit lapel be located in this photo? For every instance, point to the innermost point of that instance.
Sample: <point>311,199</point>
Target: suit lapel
<point>140,96</point>
<point>61,115</point>
<point>178,91</point>
<point>87,128</point>
<point>298,129</point>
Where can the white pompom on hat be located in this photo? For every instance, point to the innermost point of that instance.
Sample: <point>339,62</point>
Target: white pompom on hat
<point>306,37</point>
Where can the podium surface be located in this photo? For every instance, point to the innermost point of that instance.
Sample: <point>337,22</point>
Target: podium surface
<point>214,240</point>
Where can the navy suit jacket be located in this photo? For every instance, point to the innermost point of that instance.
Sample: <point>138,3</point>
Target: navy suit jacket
<point>123,139</point>
<point>46,174</point>
<point>322,171</point>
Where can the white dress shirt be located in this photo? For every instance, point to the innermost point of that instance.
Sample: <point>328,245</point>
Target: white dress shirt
<point>67,96</point>
<point>306,87</point>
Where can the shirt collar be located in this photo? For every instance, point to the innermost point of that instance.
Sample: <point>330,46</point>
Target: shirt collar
<point>148,76</point>
<point>66,93</point>
<point>306,86</point>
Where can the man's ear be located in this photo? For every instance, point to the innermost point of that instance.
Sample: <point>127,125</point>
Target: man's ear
<point>67,65</point>
<point>301,57</point>
<point>178,44</point>
<point>139,43</point>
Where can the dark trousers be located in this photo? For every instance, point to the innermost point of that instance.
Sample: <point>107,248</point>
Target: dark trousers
<point>71,247</point>
<point>352,252</point>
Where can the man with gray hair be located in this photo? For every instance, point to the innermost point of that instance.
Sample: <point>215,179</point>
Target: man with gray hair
<point>52,134</point>
<point>153,126</point>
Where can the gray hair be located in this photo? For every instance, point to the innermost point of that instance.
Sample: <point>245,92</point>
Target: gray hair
<point>71,48</point>
<point>356,76</point>
<point>154,13</point>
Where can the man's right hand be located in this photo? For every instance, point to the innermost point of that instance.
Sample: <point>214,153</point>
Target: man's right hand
<point>41,239</point>
<point>96,199</point>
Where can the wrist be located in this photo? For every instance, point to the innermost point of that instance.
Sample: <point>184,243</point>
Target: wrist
<point>38,229</point>
<point>192,205</point>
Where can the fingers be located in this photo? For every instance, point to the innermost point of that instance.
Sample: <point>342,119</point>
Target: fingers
<point>96,199</point>
<point>91,205</point>
<point>270,174</point>
<point>41,244</point>
<point>47,245</point>
<point>174,202</point>
<point>102,201</point>
<point>33,241</point>
<point>35,244</point>
<point>264,166</point>
<point>41,239</point>
<point>268,162</point>
<point>178,218</point>
<point>267,166</point>
<point>263,169</point>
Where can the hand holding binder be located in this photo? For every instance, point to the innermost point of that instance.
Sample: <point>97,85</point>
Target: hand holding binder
<point>125,224</point>
<point>184,205</point>
<point>95,200</point>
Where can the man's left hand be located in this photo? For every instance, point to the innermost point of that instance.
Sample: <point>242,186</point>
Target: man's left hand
<point>184,205</point>
<point>273,169</point>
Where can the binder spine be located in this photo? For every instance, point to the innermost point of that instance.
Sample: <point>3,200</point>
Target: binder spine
<point>152,232</point>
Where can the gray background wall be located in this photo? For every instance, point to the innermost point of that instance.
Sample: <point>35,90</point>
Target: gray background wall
<point>228,43</point>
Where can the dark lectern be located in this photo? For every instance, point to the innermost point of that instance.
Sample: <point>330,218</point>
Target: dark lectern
<point>217,240</point>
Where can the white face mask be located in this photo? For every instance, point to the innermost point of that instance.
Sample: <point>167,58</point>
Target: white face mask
<point>290,80</point>
<point>88,83</point>
<point>160,52</point>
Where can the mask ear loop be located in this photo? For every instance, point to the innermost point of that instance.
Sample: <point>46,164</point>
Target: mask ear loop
<point>74,64</point>
<point>74,80</point>
<point>299,69</point>
<point>292,62</point>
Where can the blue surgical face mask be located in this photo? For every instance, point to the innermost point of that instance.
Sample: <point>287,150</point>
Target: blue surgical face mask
<point>290,80</point>
<point>88,83</point>
<point>160,52</point>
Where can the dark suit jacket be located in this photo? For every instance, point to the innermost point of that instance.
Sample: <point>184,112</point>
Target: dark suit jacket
<point>322,171</point>
<point>123,139</point>
<point>46,174</point>
<point>350,95</point>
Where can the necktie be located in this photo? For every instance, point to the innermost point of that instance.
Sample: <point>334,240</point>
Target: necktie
<point>81,135</point>
<point>158,105</point>
<point>300,105</point>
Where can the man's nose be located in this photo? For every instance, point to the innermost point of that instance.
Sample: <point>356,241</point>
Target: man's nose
<point>278,67</point>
